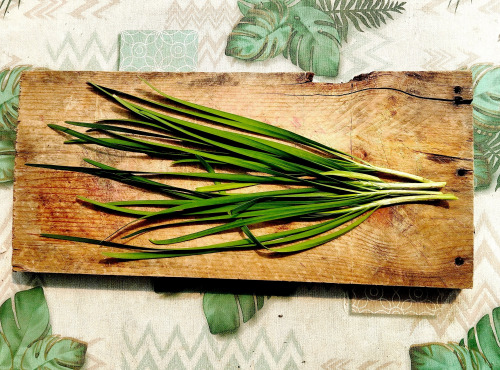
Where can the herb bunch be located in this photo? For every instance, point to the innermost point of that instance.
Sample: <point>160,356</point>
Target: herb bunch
<point>333,190</point>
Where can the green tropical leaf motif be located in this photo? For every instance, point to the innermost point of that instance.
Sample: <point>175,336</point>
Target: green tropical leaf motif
<point>9,96</point>
<point>360,13</point>
<point>486,159</point>
<point>482,171</point>
<point>261,34</point>
<point>449,356</point>
<point>9,101</point>
<point>54,352</point>
<point>27,324</point>
<point>6,168</point>
<point>222,310</point>
<point>314,42</point>
<point>480,350</point>
<point>486,117</point>
<point>25,338</point>
<point>5,353</point>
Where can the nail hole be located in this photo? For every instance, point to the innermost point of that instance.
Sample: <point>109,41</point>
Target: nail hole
<point>459,261</point>
<point>461,172</point>
<point>457,89</point>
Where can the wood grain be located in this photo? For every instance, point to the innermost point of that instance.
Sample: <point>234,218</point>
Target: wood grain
<point>418,122</point>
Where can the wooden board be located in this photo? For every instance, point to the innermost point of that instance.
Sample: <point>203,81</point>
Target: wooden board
<point>414,122</point>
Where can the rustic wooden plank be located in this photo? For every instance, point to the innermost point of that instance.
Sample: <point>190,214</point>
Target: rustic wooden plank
<point>416,122</point>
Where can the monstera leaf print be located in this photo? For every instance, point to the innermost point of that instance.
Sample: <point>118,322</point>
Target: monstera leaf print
<point>480,350</point>
<point>26,341</point>
<point>261,33</point>
<point>486,115</point>
<point>314,42</point>
<point>9,101</point>
<point>308,32</point>
<point>222,310</point>
<point>54,352</point>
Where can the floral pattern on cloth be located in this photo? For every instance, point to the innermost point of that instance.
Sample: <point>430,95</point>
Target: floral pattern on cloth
<point>9,101</point>
<point>486,113</point>
<point>160,51</point>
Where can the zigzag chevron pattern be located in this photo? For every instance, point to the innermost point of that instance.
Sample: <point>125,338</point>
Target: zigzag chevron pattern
<point>466,311</point>
<point>365,51</point>
<point>92,362</point>
<point>213,22</point>
<point>346,364</point>
<point>486,231</point>
<point>211,51</point>
<point>439,59</point>
<point>202,15</point>
<point>337,364</point>
<point>491,7</point>
<point>437,7</point>
<point>10,284</point>
<point>49,9</point>
<point>471,305</point>
<point>12,60</point>
<point>89,8</point>
<point>45,9</point>
<point>150,350</point>
<point>91,55</point>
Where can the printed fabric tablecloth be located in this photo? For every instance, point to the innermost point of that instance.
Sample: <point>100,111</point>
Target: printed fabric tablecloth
<point>142,323</point>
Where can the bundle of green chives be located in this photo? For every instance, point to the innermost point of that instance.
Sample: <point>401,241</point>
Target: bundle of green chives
<point>338,190</point>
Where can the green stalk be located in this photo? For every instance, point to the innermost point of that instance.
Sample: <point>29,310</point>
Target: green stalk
<point>396,173</point>
<point>404,185</point>
<point>399,200</point>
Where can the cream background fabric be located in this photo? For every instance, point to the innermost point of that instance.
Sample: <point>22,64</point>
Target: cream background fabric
<point>127,325</point>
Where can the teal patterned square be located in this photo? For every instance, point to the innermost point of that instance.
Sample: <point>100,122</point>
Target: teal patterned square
<point>162,51</point>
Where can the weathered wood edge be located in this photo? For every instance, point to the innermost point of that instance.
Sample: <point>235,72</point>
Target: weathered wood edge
<point>466,94</point>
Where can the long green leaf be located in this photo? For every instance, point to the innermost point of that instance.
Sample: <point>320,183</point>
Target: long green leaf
<point>127,178</point>
<point>230,119</point>
<point>268,216</point>
<point>308,244</point>
<point>249,142</point>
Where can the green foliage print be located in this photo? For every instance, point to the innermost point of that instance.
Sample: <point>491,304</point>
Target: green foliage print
<point>486,116</point>
<point>307,32</point>
<point>253,39</point>
<point>222,310</point>
<point>480,350</point>
<point>26,341</point>
<point>360,13</point>
<point>314,42</point>
<point>9,101</point>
